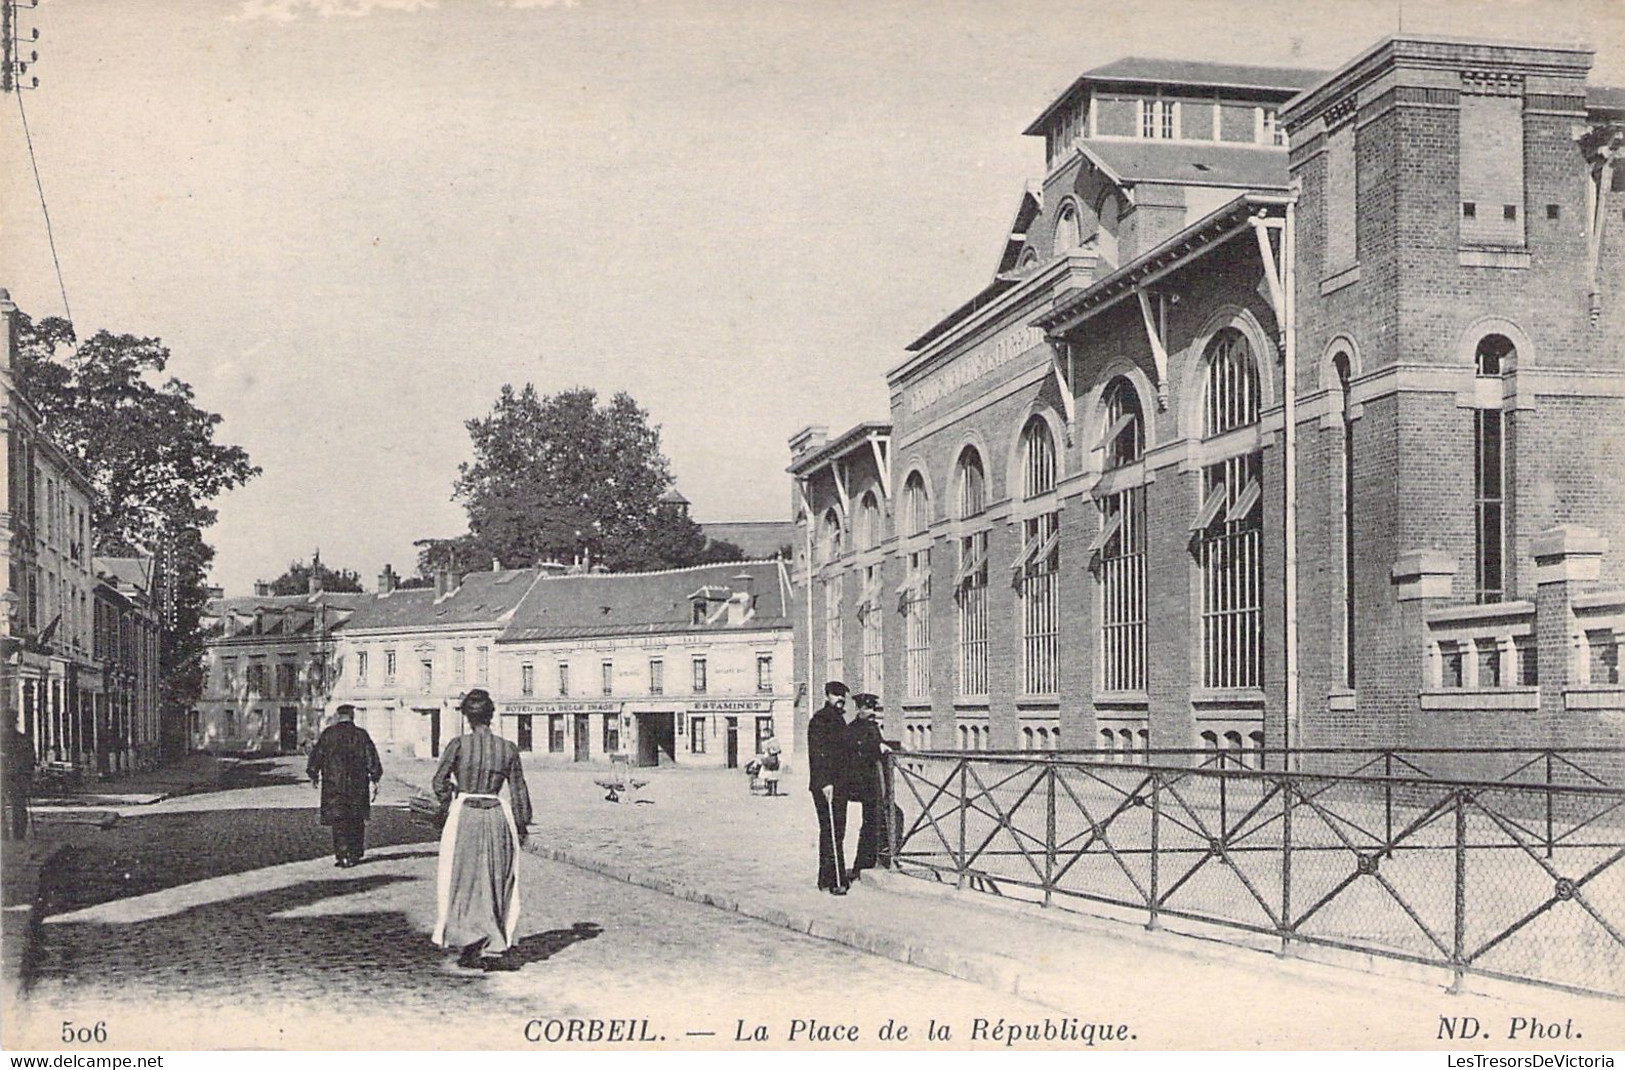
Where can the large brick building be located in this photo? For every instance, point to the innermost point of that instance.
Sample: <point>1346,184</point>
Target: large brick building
<point>1099,518</point>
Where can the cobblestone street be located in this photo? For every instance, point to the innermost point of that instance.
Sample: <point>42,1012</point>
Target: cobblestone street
<point>218,920</point>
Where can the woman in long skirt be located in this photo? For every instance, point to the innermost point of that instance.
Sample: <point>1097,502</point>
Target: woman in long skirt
<point>478,891</point>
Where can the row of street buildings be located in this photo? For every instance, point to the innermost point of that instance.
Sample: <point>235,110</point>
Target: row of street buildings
<point>79,634</point>
<point>1290,416</point>
<point>686,666</point>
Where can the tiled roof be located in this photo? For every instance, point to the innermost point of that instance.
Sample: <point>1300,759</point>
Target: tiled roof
<point>482,598</point>
<point>1190,163</point>
<point>285,615</point>
<point>641,603</point>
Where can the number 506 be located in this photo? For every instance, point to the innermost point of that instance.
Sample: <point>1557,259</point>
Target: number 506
<point>84,1034</point>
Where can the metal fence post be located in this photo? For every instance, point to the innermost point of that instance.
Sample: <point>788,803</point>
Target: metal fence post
<point>1286,866</point>
<point>1049,831</point>
<point>1549,840</point>
<point>964,804</point>
<point>1458,952</point>
<point>1388,803</point>
<point>888,792</point>
<point>1156,828</point>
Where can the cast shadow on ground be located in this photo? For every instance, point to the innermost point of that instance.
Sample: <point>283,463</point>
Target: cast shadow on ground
<point>539,947</point>
<point>349,957</point>
<point>149,853</point>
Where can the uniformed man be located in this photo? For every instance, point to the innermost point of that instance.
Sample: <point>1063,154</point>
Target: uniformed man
<point>829,764</point>
<point>865,784</point>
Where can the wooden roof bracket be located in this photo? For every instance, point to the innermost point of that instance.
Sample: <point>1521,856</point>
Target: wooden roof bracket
<point>1155,325</point>
<point>1272,272</point>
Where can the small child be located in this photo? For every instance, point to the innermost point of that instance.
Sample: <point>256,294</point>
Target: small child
<point>753,770</point>
<point>770,767</point>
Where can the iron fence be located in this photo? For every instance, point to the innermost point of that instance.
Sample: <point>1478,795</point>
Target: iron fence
<point>1520,877</point>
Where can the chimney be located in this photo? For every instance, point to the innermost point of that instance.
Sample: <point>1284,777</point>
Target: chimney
<point>8,312</point>
<point>496,563</point>
<point>742,598</point>
<point>315,582</point>
<point>443,583</point>
<point>806,440</point>
<point>262,589</point>
<point>387,580</point>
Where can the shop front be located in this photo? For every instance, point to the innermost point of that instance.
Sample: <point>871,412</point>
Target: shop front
<point>563,731</point>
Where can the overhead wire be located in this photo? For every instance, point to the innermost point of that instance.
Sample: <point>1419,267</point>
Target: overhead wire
<point>50,233</point>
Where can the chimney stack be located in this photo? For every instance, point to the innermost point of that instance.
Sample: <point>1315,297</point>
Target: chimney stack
<point>443,583</point>
<point>262,589</point>
<point>387,580</point>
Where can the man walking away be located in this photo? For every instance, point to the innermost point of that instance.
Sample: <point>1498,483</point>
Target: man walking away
<point>828,764</point>
<point>341,766</point>
<point>19,773</point>
<point>865,782</point>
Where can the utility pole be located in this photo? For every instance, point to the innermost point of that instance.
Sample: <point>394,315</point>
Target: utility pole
<point>13,67</point>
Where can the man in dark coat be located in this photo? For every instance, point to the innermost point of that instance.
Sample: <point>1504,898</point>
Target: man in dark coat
<point>864,783</point>
<point>345,766</point>
<point>828,763</point>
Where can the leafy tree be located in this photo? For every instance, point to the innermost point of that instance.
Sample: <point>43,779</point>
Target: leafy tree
<point>296,580</point>
<point>150,453</point>
<point>560,476</point>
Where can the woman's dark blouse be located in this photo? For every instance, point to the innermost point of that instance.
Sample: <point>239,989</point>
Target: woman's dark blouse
<point>480,763</point>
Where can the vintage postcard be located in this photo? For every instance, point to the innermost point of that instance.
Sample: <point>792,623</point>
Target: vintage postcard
<point>918,526</point>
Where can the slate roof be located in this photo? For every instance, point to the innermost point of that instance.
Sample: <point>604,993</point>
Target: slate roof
<point>642,603</point>
<point>482,598</point>
<point>1605,100</point>
<point>281,614</point>
<point>1190,163</point>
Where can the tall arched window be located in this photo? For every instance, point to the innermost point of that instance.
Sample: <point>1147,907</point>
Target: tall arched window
<point>834,596</point>
<point>870,616</point>
<point>1495,358</point>
<point>829,539</point>
<point>1226,534</point>
<point>970,580</point>
<point>1341,364</point>
<point>1121,546</point>
<point>1039,561</point>
<point>916,590</point>
<point>1068,229</point>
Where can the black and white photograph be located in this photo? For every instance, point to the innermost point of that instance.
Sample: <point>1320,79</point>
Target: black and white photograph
<point>919,526</point>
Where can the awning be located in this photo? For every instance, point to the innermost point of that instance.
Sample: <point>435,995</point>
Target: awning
<point>1244,503</point>
<point>1210,510</point>
<point>970,566</point>
<point>1107,530</point>
<point>1036,551</point>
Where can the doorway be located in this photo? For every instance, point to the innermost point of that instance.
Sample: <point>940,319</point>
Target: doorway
<point>288,729</point>
<point>733,743</point>
<point>433,713</point>
<point>583,737</point>
<point>657,735</point>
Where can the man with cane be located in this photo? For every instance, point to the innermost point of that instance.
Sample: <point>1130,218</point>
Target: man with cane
<point>829,764</point>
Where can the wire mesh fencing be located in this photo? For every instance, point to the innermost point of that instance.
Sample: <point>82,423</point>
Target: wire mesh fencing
<point>1521,878</point>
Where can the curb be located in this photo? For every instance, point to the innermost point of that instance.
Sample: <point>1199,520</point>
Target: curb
<point>997,972</point>
<point>21,935</point>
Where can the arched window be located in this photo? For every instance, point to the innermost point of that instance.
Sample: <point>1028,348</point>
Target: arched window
<point>1145,744</point>
<point>1495,357</point>
<point>1068,231</point>
<point>1042,738</point>
<point>1038,458</point>
<point>1029,259</point>
<point>829,542</point>
<point>869,524</point>
<point>1124,440</point>
<point>1234,753</point>
<point>970,578</point>
<point>1342,365</point>
<point>972,484</point>
<point>1027,738</point>
<point>1226,531</point>
<point>915,593</point>
<point>1108,743</point>
<point>1037,567</point>
<point>916,505</point>
<point>1232,384</point>
<point>964,737</point>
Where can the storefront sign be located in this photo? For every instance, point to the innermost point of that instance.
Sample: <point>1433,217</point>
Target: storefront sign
<point>523,709</point>
<point>731,705</point>
<point>983,360</point>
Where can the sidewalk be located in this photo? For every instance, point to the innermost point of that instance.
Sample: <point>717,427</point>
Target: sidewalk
<point>193,772</point>
<point>704,838</point>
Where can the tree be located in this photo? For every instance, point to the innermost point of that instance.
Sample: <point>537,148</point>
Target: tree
<point>296,580</point>
<point>561,476</point>
<point>150,454</point>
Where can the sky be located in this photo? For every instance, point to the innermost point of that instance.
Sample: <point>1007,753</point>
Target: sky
<point>353,221</point>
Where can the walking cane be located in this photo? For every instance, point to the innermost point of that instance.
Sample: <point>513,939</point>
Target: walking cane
<point>836,838</point>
